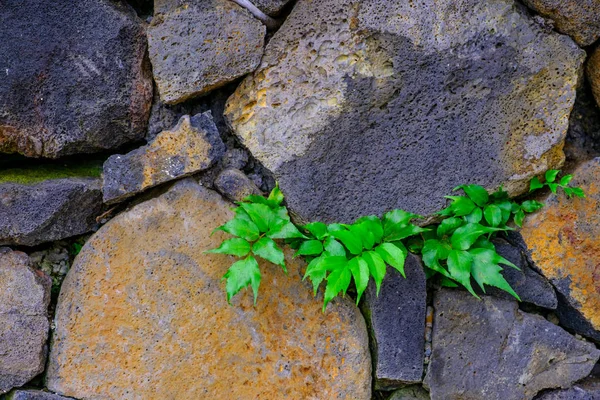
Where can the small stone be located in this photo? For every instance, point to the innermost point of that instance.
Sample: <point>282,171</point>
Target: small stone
<point>410,393</point>
<point>143,311</point>
<point>235,185</point>
<point>39,212</point>
<point>271,7</point>
<point>196,46</point>
<point>191,146</point>
<point>488,349</point>
<point>588,389</point>
<point>235,158</point>
<point>24,300</point>
<point>396,321</point>
<point>34,395</point>
<point>579,19</point>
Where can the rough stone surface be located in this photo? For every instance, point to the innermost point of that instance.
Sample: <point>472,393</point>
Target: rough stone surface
<point>396,320</point>
<point>270,7</point>
<point>579,19</point>
<point>563,243</point>
<point>198,45</point>
<point>593,73</point>
<point>191,146</point>
<point>583,137</point>
<point>34,395</point>
<point>143,314</point>
<point>410,393</point>
<point>49,210</point>
<point>588,389</point>
<point>489,349</point>
<point>24,300</point>
<point>75,78</point>
<point>358,104</point>
<point>235,185</point>
<point>528,284</point>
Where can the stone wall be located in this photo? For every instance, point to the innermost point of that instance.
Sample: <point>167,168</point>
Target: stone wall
<point>129,128</point>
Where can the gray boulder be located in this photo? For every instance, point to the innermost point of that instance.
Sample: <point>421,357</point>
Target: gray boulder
<point>74,77</point>
<point>46,207</point>
<point>198,45</point>
<point>362,106</point>
<point>235,185</point>
<point>34,395</point>
<point>191,146</point>
<point>489,349</point>
<point>396,322</point>
<point>588,389</point>
<point>24,326</point>
<point>270,7</point>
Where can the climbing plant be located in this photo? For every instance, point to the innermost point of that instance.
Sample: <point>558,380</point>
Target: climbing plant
<point>457,248</point>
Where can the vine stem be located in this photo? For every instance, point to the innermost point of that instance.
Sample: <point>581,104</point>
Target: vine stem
<point>271,23</point>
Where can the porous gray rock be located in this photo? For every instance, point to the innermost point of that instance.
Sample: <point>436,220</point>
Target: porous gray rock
<point>488,349</point>
<point>191,146</point>
<point>588,389</point>
<point>583,137</point>
<point>34,395</point>
<point>579,19</point>
<point>24,325</point>
<point>270,7</point>
<point>362,106</point>
<point>410,393</point>
<point>396,321</point>
<point>48,210</point>
<point>75,78</point>
<point>198,45</point>
<point>235,185</point>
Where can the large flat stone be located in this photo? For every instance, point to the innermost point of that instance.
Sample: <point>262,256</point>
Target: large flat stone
<point>74,77</point>
<point>191,146</point>
<point>24,325</point>
<point>396,320</point>
<point>143,314</point>
<point>363,106</point>
<point>198,45</point>
<point>563,242</point>
<point>489,349</point>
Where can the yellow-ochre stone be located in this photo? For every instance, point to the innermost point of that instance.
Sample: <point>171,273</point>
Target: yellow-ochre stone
<point>143,315</point>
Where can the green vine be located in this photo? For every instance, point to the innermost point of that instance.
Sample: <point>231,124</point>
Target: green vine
<point>457,249</point>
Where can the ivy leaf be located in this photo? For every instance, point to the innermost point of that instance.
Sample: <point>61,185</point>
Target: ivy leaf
<point>241,274</point>
<point>393,254</point>
<point>337,281</point>
<point>253,198</point>
<point>377,267</point>
<point>568,192</point>
<point>236,247</point>
<point>310,248</point>
<point>333,247</point>
<point>242,226</point>
<point>315,273</point>
<point>551,175</point>
<point>317,229</point>
<point>285,230</point>
<point>475,216</point>
<point>268,249</point>
<point>395,218</point>
<point>535,184</point>
<point>486,271</point>
<point>360,273</point>
<point>361,230</point>
<point>577,191</point>
<point>405,232</point>
<point>493,215</point>
<point>374,225</point>
<point>447,282</point>
<point>531,206</point>
<point>519,218</point>
<point>464,237</point>
<point>433,251</point>
<point>335,227</point>
<point>506,207</point>
<point>276,195</point>
<point>460,206</point>
<point>348,239</point>
<point>484,243</point>
<point>476,193</point>
<point>553,187</point>
<point>263,217</point>
<point>564,181</point>
<point>500,194</point>
<point>448,226</point>
<point>459,266</point>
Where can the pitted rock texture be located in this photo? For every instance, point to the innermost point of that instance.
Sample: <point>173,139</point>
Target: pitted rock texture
<point>34,395</point>
<point>588,389</point>
<point>410,393</point>
<point>363,106</point>
<point>579,19</point>
<point>593,73</point>
<point>143,314</point>
<point>270,7</point>
<point>198,45</point>
<point>191,146</point>
<point>583,137</point>
<point>488,349</point>
<point>563,241</point>
<point>75,78</point>
<point>24,326</point>
<point>50,210</point>
<point>396,321</point>
<point>235,185</point>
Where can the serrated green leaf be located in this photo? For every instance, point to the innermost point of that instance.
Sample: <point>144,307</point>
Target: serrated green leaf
<point>397,217</point>
<point>447,282</point>
<point>310,248</point>
<point>333,247</point>
<point>459,266</point>
<point>448,226</point>
<point>377,267</point>
<point>337,281</point>
<point>476,193</point>
<point>551,175</point>
<point>285,230</point>
<point>405,232</point>
<point>236,247</point>
<point>266,248</point>
<point>531,206</point>
<point>577,191</point>
<point>464,237</point>
<point>535,184</point>
<point>241,226</point>
<point>484,243</point>
<point>506,207</point>
<point>276,195</point>
<point>315,273</point>
<point>493,215</point>
<point>486,271</point>
<point>317,229</point>
<point>348,239</point>
<point>360,272</point>
<point>553,187</point>
<point>361,230</point>
<point>335,227</point>
<point>568,192</point>
<point>433,251</point>
<point>263,217</point>
<point>564,181</point>
<point>460,206</point>
<point>393,254</point>
<point>374,225</point>
<point>475,216</point>
<point>241,274</point>
<point>519,218</point>
<point>253,198</point>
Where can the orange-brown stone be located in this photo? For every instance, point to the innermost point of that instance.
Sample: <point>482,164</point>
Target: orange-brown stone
<point>143,315</point>
<point>564,241</point>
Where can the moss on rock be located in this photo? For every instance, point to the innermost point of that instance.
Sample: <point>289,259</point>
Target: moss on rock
<point>39,173</point>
